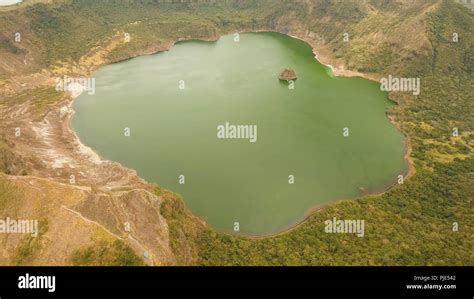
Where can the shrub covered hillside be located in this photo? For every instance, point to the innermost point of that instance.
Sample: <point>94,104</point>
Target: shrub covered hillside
<point>410,224</point>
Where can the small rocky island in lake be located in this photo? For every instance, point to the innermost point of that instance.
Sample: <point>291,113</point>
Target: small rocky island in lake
<point>287,75</point>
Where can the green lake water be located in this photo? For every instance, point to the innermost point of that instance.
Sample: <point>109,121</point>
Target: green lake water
<point>173,131</point>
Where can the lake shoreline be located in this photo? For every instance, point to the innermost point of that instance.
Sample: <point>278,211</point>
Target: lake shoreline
<point>322,55</point>
<point>97,159</point>
<point>341,71</point>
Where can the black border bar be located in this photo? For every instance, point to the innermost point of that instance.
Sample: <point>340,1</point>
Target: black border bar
<point>243,282</point>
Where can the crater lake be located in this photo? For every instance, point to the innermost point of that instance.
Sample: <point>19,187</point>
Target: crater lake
<point>317,139</point>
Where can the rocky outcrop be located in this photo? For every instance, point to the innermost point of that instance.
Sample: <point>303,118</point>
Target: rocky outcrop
<point>287,75</point>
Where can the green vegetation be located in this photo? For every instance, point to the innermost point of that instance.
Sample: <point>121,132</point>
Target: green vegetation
<point>40,100</point>
<point>7,193</point>
<point>43,99</point>
<point>409,225</point>
<point>106,253</point>
<point>10,163</point>
<point>182,226</point>
<point>412,224</point>
<point>30,245</point>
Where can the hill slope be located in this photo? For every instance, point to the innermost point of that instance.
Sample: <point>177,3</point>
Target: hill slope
<point>108,215</point>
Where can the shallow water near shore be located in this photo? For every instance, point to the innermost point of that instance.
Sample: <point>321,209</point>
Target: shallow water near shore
<point>174,101</point>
